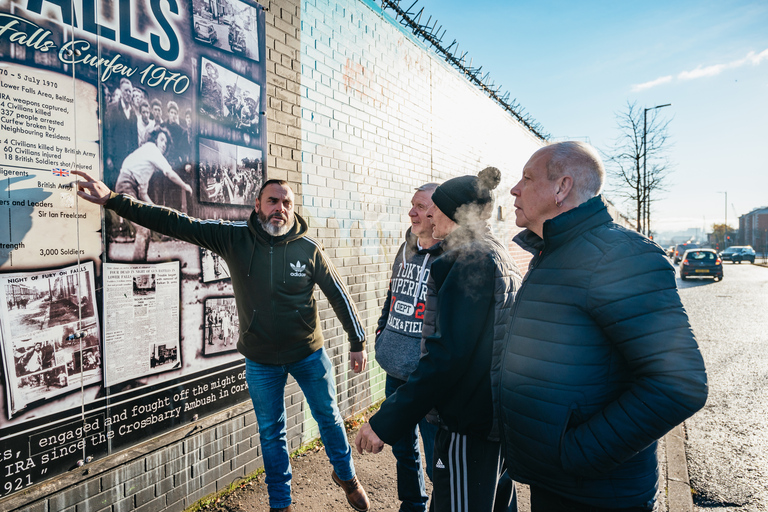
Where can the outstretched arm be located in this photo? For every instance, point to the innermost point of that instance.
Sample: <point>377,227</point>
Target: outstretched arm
<point>91,189</point>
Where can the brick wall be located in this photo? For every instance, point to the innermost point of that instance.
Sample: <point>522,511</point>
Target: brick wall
<point>359,114</point>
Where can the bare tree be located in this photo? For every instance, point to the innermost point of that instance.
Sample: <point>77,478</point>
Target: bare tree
<point>638,164</point>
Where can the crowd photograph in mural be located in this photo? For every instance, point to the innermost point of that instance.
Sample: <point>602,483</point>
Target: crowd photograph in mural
<point>100,317</point>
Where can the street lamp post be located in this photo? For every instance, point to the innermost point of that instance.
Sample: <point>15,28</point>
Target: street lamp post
<point>725,227</point>
<point>646,201</point>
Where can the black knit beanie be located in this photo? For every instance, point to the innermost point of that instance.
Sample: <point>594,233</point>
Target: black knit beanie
<point>466,190</point>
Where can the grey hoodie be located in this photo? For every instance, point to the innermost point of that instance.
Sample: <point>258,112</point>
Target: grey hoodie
<point>398,335</point>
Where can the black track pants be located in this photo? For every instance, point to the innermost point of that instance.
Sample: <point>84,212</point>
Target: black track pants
<point>466,473</point>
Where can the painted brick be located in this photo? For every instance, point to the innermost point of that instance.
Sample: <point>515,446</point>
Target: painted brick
<point>101,501</point>
<point>200,493</point>
<point>177,506</point>
<point>143,481</point>
<point>123,505</point>
<point>214,473</point>
<point>163,486</point>
<point>155,505</point>
<point>144,496</point>
<point>40,506</point>
<point>122,474</point>
<point>74,495</point>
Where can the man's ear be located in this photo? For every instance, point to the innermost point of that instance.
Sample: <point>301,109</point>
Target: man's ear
<point>564,188</point>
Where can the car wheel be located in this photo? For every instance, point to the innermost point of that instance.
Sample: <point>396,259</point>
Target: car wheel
<point>684,278</point>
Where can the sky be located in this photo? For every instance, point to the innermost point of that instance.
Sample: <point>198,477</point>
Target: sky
<point>574,65</point>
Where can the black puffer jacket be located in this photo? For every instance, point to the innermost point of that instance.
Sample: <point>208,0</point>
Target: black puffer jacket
<point>469,297</point>
<point>273,279</point>
<point>600,362</point>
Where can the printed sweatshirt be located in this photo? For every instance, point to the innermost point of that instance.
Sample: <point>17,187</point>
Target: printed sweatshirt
<point>273,279</point>
<point>398,339</point>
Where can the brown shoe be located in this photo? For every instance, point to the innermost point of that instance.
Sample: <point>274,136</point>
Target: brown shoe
<point>356,496</point>
<point>284,509</point>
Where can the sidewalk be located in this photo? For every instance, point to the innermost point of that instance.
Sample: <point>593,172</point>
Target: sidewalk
<point>313,490</point>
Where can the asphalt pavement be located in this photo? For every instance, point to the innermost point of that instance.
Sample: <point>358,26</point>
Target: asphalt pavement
<point>727,441</point>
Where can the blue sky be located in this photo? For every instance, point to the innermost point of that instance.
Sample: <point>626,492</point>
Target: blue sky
<point>573,65</point>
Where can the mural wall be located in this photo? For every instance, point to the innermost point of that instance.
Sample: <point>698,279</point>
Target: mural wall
<point>110,334</point>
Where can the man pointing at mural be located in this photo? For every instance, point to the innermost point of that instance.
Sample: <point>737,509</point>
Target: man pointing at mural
<point>274,268</point>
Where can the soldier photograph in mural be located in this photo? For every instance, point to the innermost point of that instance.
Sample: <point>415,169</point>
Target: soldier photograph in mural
<point>229,174</point>
<point>229,99</point>
<point>229,25</point>
<point>213,266</point>
<point>221,325</point>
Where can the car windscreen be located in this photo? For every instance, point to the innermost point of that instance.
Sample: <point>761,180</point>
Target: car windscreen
<point>701,256</point>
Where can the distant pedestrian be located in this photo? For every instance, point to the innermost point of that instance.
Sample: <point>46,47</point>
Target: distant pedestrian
<point>600,360</point>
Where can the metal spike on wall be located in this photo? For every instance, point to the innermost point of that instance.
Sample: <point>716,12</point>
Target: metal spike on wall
<point>431,33</point>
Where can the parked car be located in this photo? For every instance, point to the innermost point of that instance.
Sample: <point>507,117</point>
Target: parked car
<point>701,263</point>
<point>738,253</point>
<point>204,30</point>
<point>680,250</point>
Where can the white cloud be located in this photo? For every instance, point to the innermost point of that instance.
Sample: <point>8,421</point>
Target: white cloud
<point>652,83</point>
<point>705,71</point>
<point>701,72</point>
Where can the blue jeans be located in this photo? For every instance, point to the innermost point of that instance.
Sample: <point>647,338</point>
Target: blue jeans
<point>266,384</point>
<point>410,476</point>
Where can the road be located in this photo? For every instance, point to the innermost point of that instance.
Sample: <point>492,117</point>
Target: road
<point>727,443</point>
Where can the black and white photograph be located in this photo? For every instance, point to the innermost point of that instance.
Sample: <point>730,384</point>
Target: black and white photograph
<point>229,25</point>
<point>229,174</point>
<point>144,284</point>
<point>40,301</point>
<point>221,328</point>
<point>229,99</point>
<point>52,362</point>
<point>148,152</point>
<point>163,354</point>
<point>214,268</point>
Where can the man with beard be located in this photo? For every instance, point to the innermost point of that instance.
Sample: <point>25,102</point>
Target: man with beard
<point>280,330</point>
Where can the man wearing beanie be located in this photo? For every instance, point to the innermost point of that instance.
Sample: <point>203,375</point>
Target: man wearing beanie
<point>470,291</point>
<point>398,342</point>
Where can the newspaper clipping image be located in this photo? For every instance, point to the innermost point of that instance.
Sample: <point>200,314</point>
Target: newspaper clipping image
<point>142,322</point>
<point>50,334</point>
